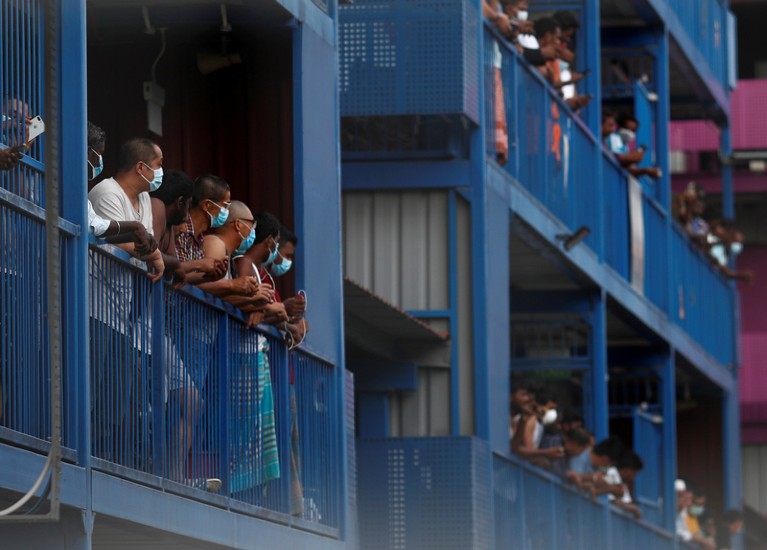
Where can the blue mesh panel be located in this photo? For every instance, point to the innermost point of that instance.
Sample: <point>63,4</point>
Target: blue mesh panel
<point>424,493</point>
<point>408,57</point>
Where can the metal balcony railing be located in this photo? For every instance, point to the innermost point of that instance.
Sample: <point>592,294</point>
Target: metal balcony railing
<point>556,159</point>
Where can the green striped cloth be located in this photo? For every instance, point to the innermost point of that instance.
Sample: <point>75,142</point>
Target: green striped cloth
<point>270,459</point>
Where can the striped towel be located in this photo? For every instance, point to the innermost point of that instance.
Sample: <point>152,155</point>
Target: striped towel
<point>270,459</point>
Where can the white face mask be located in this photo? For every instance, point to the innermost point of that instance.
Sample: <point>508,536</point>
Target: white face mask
<point>549,417</point>
<point>736,248</point>
<point>522,15</point>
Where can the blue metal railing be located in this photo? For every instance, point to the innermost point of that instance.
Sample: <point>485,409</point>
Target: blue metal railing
<point>21,92</point>
<point>183,392</point>
<point>534,510</point>
<point>555,157</point>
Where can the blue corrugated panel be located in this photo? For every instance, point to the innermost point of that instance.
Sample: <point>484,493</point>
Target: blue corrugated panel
<point>408,57</point>
<point>424,493</point>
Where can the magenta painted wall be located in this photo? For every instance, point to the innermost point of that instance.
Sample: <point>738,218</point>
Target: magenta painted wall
<point>748,131</point>
<point>753,340</point>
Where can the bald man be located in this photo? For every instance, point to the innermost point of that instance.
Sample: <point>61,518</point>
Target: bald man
<point>237,231</point>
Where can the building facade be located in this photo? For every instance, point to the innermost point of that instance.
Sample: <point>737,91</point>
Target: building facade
<point>444,267</point>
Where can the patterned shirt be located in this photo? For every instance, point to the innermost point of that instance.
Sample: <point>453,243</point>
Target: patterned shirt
<point>188,245</point>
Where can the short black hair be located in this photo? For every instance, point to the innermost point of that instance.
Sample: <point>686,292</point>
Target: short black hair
<point>567,20</point>
<point>96,136</point>
<point>626,117</point>
<point>733,515</point>
<point>266,226</point>
<point>579,436</point>
<point>287,236</point>
<point>612,448</point>
<point>543,396</point>
<point>133,151</point>
<point>210,187</point>
<point>609,114</point>
<point>629,459</point>
<point>545,25</point>
<point>175,184</point>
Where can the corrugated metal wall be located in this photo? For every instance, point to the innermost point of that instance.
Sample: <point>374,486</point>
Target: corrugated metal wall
<point>755,476</point>
<point>397,245</point>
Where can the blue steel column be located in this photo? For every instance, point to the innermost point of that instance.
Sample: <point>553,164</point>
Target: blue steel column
<point>600,413</point>
<point>663,118</point>
<point>478,175</point>
<point>668,403</point>
<point>590,26</point>
<point>73,147</point>
<point>317,210</point>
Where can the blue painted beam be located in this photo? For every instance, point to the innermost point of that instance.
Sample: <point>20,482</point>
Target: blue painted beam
<point>405,175</point>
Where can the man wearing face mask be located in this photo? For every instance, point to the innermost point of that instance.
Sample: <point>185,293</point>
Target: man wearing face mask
<point>527,437</point>
<point>250,261</point>
<point>233,238</point>
<point>726,243</point>
<point>114,232</point>
<point>125,197</point>
<point>295,305</point>
<point>209,210</point>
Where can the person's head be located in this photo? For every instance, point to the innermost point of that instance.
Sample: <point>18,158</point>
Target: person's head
<point>629,122</point>
<point>13,122</point>
<point>607,452</point>
<point>629,465</point>
<point>267,238</point>
<point>239,229</point>
<point>520,400</point>
<point>609,123</point>
<point>286,253</point>
<point>176,195</point>
<point>708,525</point>
<point>568,22</point>
<point>576,441</point>
<point>545,407</point>
<point>698,504</point>
<point>140,161</point>
<point>516,9</point>
<point>211,195</point>
<point>734,520</point>
<point>548,31</point>
<point>97,139</point>
<point>571,419</point>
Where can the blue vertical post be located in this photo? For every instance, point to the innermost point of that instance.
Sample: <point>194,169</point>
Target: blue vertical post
<point>73,94</point>
<point>158,369</point>
<point>668,403</point>
<point>223,366</point>
<point>317,187</point>
<point>478,174</point>
<point>73,148</point>
<point>455,387</point>
<point>592,29</point>
<point>600,413</point>
<point>663,118</point>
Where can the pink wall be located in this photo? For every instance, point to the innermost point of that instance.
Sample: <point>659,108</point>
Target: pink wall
<point>749,123</point>
<point>753,341</point>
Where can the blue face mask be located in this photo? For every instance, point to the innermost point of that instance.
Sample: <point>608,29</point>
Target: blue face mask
<point>156,182</point>
<point>278,270</point>
<point>247,242</point>
<point>736,248</point>
<point>96,170</point>
<point>220,220</point>
<point>272,254</point>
